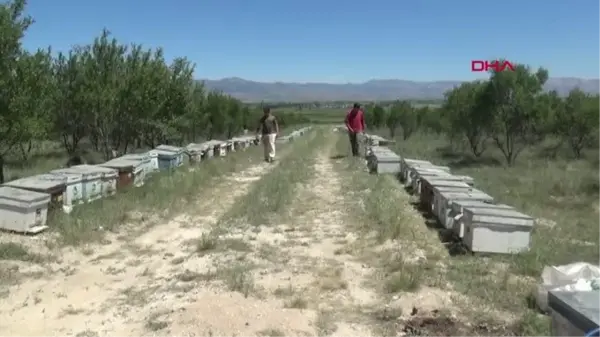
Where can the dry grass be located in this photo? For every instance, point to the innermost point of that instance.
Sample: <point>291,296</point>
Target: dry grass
<point>270,197</point>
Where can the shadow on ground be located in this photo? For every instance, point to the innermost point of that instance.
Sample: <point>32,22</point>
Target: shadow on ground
<point>447,237</point>
<point>458,160</point>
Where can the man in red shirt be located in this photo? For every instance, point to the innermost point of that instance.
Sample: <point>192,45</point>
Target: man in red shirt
<point>355,123</point>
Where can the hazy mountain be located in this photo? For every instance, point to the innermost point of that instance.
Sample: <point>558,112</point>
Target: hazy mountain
<point>251,91</point>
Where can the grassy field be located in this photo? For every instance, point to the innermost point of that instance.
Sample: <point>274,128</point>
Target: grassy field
<point>321,116</point>
<point>309,245</point>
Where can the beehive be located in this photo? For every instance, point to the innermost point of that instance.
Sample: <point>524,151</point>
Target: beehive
<point>406,165</point>
<point>443,200</point>
<point>492,230</point>
<point>574,313</point>
<point>22,210</point>
<point>387,163</point>
<point>51,184</point>
<point>429,183</point>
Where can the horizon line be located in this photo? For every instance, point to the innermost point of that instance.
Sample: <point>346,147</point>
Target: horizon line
<point>375,79</point>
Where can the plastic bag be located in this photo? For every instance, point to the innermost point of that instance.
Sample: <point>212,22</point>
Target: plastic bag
<point>578,276</point>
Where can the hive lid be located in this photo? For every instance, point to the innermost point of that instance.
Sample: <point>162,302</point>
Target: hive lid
<point>93,168</point>
<point>214,142</point>
<point>581,308</point>
<point>499,212</point>
<point>170,148</point>
<point>161,153</point>
<point>196,147</point>
<point>385,155</point>
<point>121,164</point>
<point>462,195</point>
<point>17,194</point>
<point>72,175</point>
<point>41,182</point>
<point>416,161</point>
<point>436,181</point>
<point>136,156</point>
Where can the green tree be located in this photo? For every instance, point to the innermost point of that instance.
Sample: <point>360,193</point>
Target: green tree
<point>467,115</point>
<point>408,120</point>
<point>510,97</point>
<point>393,118</point>
<point>378,116</point>
<point>13,24</point>
<point>578,121</point>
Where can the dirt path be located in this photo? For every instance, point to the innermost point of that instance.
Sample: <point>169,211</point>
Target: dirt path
<point>290,278</point>
<point>127,285</point>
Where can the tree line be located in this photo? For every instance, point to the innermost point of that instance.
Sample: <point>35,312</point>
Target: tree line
<point>510,111</point>
<point>112,95</point>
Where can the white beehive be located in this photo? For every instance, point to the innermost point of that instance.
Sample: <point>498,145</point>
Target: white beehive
<point>22,210</point>
<point>179,151</point>
<point>102,181</point>
<point>91,183</point>
<point>222,149</point>
<point>428,184</point>
<point>195,151</point>
<point>387,162</point>
<point>442,201</point>
<point>417,173</point>
<point>74,193</point>
<point>456,213</point>
<point>406,165</point>
<point>145,159</point>
<point>153,160</point>
<point>44,183</point>
<point>496,230</point>
<point>230,146</point>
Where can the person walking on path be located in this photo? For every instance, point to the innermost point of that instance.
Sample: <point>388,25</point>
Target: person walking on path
<point>269,129</point>
<point>355,123</point>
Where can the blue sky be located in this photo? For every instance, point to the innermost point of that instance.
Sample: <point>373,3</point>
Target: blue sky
<point>333,40</point>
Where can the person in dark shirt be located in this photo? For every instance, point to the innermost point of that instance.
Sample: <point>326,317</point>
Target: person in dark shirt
<point>355,123</point>
<point>268,128</point>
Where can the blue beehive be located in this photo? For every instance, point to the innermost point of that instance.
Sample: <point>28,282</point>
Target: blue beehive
<point>167,160</point>
<point>177,151</point>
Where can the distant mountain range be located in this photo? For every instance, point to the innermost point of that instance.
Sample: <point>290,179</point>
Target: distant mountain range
<point>251,91</point>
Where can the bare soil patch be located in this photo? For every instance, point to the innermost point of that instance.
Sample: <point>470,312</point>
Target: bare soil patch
<point>130,284</point>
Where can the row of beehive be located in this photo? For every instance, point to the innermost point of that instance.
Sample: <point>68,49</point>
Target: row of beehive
<point>24,203</point>
<point>481,223</point>
<point>292,135</point>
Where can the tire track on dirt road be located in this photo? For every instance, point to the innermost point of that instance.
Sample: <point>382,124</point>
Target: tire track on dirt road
<point>302,280</point>
<point>126,284</point>
<point>328,277</point>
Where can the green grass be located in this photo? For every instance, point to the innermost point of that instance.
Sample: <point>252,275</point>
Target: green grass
<point>493,284</point>
<point>275,192</point>
<point>561,192</point>
<point>163,195</point>
<point>321,115</point>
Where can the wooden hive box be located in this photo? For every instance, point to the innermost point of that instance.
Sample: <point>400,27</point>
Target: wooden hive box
<point>23,211</point>
<point>574,313</point>
<point>443,200</point>
<point>408,164</point>
<point>493,230</point>
<point>54,185</point>
<point>429,183</point>
<point>131,172</point>
<point>456,213</point>
<point>418,172</point>
<point>179,152</point>
<point>387,163</point>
